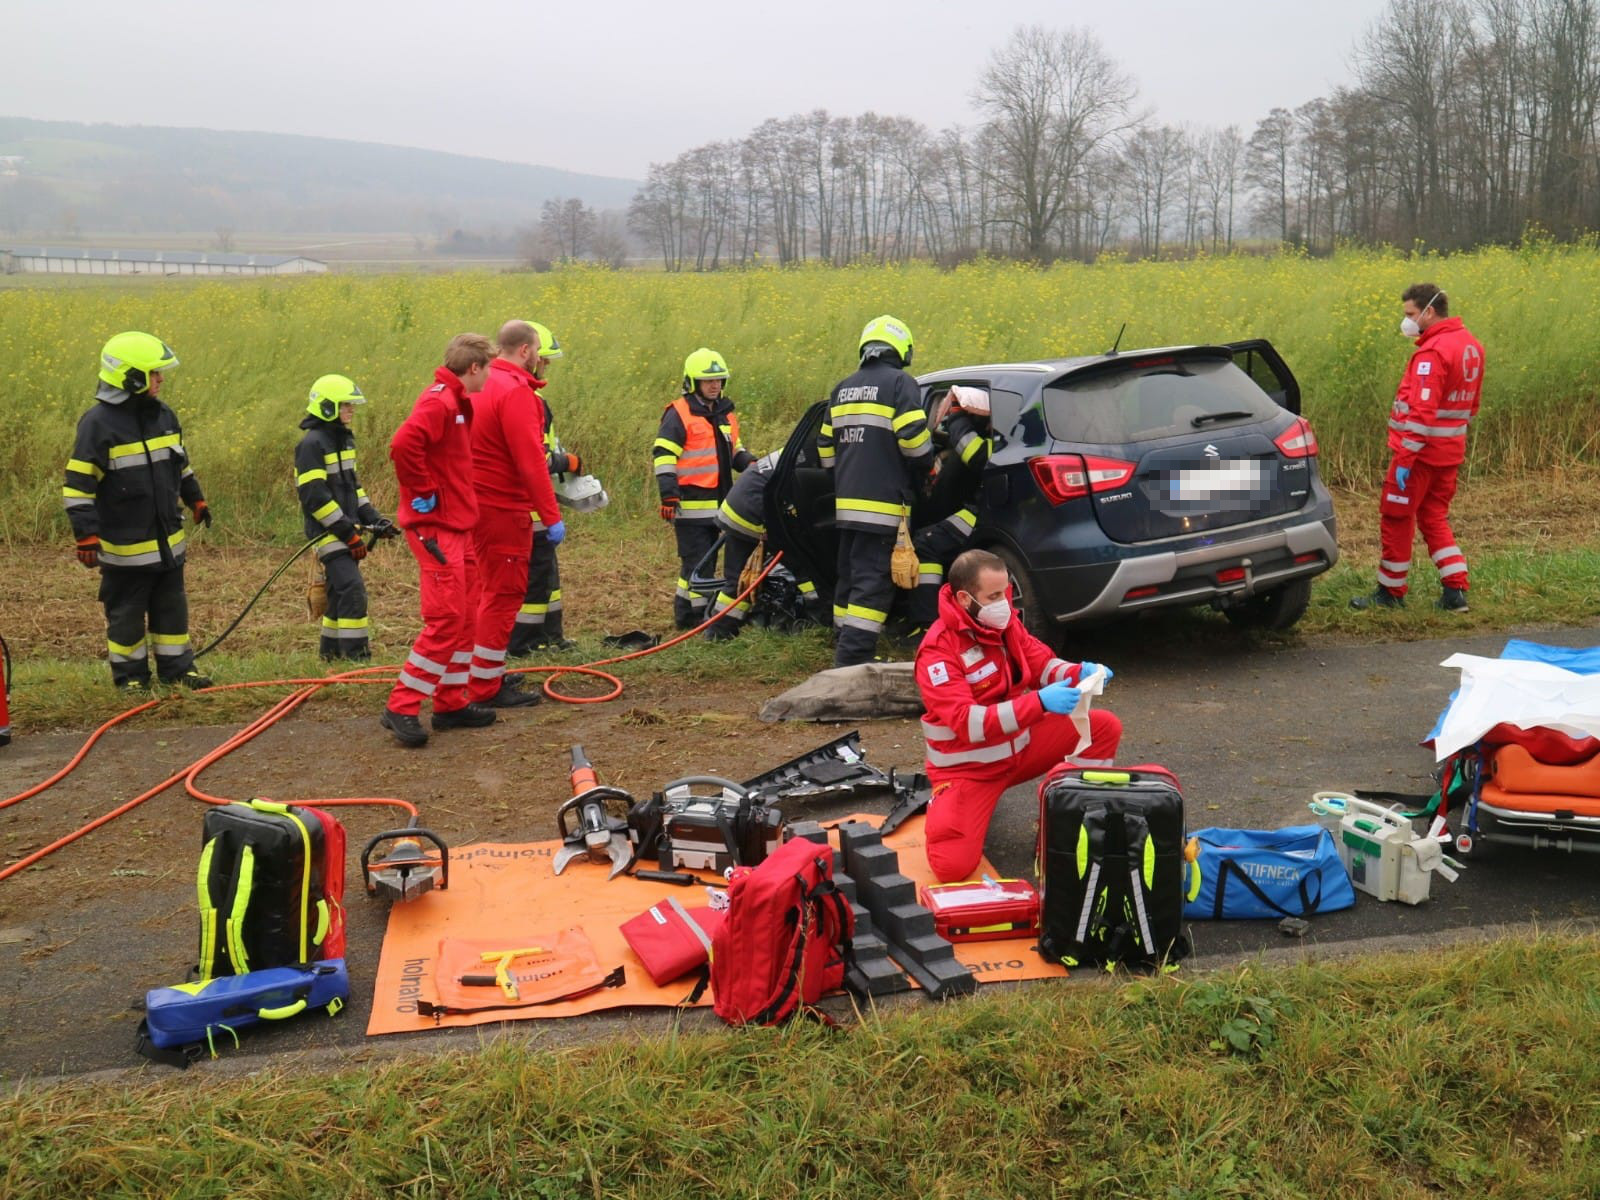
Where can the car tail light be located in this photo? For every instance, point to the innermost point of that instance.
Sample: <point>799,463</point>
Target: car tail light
<point>1063,477</point>
<point>1301,560</point>
<point>1230,575</point>
<point>1297,441</point>
<point>1140,593</point>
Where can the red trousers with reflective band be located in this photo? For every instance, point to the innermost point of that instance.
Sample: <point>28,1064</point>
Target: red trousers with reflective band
<point>437,667</point>
<point>1424,505</point>
<point>504,539</point>
<point>959,813</point>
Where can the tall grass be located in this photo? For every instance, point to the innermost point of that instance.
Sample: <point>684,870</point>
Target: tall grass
<point>250,350</point>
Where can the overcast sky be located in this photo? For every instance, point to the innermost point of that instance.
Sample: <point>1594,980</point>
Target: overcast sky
<point>609,86</point>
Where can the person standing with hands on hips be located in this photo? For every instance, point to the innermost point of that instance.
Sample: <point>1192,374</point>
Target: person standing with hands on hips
<point>1436,401</point>
<point>997,708</point>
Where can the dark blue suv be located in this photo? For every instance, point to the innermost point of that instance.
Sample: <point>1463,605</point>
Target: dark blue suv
<point>1119,483</point>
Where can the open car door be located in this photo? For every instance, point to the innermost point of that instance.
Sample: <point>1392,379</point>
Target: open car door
<point>1260,360</point>
<point>799,507</point>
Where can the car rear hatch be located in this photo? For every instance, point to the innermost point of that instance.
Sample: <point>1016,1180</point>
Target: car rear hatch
<point>1172,443</point>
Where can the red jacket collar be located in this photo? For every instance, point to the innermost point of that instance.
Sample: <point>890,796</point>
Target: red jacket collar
<point>451,381</point>
<point>956,617</point>
<point>1438,329</point>
<point>511,368</point>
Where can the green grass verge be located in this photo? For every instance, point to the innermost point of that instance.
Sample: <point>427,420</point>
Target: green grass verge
<point>1469,1072</point>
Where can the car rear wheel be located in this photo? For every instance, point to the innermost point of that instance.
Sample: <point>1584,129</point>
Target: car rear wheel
<point>1278,609</point>
<point>1025,601</point>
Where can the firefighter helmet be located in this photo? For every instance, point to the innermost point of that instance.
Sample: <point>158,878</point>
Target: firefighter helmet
<point>890,332</point>
<point>703,364</point>
<point>548,346</point>
<point>127,360</point>
<point>329,392</point>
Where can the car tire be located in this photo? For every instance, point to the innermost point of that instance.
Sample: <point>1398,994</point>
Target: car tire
<point>1047,631</point>
<point>1278,609</point>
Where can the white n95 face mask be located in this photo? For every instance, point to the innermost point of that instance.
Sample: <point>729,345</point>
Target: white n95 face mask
<point>996,615</point>
<point>1410,328</point>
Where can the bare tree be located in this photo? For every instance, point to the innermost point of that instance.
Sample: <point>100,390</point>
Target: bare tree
<point>1052,98</point>
<point>568,225</point>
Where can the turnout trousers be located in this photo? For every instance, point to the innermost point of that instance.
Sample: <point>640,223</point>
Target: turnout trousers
<point>539,619</point>
<point>962,806</point>
<point>937,547</point>
<point>695,539</point>
<point>1424,505</point>
<point>863,596</point>
<point>344,625</point>
<point>503,539</point>
<point>437,667</point>
<point>736,552</point>
<point>137,600</point>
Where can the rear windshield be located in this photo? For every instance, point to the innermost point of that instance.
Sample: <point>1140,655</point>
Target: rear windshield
<point>1159,400</point>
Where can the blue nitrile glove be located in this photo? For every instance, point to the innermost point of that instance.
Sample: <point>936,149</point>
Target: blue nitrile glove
<point>1401,476</point>
<point>557,533</point>
<point>425,504</point>
<point>1086,669</point>
<point>1059,698</point>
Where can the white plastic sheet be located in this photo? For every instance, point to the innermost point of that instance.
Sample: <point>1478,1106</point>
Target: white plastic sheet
<point>1516,692</point>
<point>1088,689</point>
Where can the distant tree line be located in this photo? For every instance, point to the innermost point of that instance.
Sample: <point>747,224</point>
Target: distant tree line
<point>1467,121</point>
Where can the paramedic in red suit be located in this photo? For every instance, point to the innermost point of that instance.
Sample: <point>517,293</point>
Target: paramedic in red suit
<point>996,704</point>
<point>1437,399</point>
<point>512,478</point>
<point>432,455</point>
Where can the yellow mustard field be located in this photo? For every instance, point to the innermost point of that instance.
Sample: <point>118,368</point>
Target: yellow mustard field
<point>250,349</point>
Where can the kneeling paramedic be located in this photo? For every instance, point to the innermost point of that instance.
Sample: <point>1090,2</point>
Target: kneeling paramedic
<point>335,504</point>
<point>996,707</point>
<point>127,472</point>
<point>432,455</point>
<point>695,456</point>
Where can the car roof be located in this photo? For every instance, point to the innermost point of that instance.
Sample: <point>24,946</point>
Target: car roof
<point>1065,366</point>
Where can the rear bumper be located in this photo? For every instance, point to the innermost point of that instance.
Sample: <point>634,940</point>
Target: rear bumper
<point>1187,577</point>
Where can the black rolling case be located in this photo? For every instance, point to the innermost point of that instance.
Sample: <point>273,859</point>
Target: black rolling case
<point>271,888</point>
<point>1112,866</point>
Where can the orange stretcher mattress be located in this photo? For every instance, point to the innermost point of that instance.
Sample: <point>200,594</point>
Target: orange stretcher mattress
<point>1517,772</point>
<point>506,893</point>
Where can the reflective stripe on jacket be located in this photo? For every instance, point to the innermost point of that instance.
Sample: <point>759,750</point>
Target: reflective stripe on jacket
<point>875,438</point>
<point>696,453</point>
<point>1438,396</point>
<point>980,691</point>
<point>331,495</point>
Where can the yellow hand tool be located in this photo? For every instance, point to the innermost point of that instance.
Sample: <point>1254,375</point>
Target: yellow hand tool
<point>501,978</point>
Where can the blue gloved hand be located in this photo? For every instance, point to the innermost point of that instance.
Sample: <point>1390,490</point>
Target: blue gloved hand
<point>425,504</point>
<point>1086,669</point>
<point>1059,697</point>
<point>557,533</point>
<point>1401,476</point>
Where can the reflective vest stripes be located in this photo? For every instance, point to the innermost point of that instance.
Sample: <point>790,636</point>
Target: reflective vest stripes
<point>697,464</point>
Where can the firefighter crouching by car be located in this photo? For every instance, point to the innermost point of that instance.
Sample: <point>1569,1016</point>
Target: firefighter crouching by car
<point>695,456</point>
<point>874,437</point>
<point>995,711</point>
<point>952,507</point>
<point>334,504</point>
<point>127,472</point>
<point>539,623</point>
<point>742,521</point>
<point>1437,399</point>
<point>432,456</point>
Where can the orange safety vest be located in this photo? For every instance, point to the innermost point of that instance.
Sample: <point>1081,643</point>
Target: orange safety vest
<point>697,465</point>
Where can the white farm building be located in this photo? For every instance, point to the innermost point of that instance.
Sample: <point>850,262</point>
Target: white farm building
<point>60,260</point>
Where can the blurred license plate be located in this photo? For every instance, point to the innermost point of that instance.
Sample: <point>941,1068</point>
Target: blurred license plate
<point>1235,479</point>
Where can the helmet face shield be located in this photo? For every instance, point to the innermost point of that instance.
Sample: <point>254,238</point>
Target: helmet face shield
<point>128,360</point>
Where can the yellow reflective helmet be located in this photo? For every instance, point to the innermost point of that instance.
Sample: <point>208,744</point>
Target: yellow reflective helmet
<point>127,360</point>
<point>888,331</point>
<point>329,392</point>
<point>703,364</point>
<point>548,346</point>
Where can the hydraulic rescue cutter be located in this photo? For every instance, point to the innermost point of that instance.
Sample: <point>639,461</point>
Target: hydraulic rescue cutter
<point>409,868</point>
<point>594,823</point>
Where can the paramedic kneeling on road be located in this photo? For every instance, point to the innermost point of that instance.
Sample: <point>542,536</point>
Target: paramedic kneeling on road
<point>996,705</point>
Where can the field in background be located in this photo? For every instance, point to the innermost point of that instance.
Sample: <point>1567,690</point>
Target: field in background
<point>250,349</point>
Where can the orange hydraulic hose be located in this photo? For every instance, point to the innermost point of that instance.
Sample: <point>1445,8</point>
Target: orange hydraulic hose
<point>305,689</point>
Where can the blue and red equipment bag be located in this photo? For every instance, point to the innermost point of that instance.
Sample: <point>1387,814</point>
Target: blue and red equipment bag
<point>785,939</point>
<point>1112,866</point>
<point>271,888</point>
<point>179,1019</point>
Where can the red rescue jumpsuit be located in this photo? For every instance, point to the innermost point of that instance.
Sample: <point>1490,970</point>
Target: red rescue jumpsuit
<point>1436,400</point>
<point>986,729</point>
<point>512,477</point>
<point>432,455</point>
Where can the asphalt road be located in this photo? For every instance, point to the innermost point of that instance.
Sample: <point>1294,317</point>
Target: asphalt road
<point>1251,731</point>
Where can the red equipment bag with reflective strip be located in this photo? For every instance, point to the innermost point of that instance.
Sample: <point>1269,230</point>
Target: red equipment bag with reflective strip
<point>784,942</point>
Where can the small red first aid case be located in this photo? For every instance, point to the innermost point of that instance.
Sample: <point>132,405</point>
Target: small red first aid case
<point>672,940</point>
<point>982,910</point>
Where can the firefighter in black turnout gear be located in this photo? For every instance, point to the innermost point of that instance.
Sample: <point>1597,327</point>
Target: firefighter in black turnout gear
<point>875,439</point>
<point>951,511</point>
<point>127,473</point>
<point>742,522</point>
<point>696,454</point>
<point>335,504</point>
